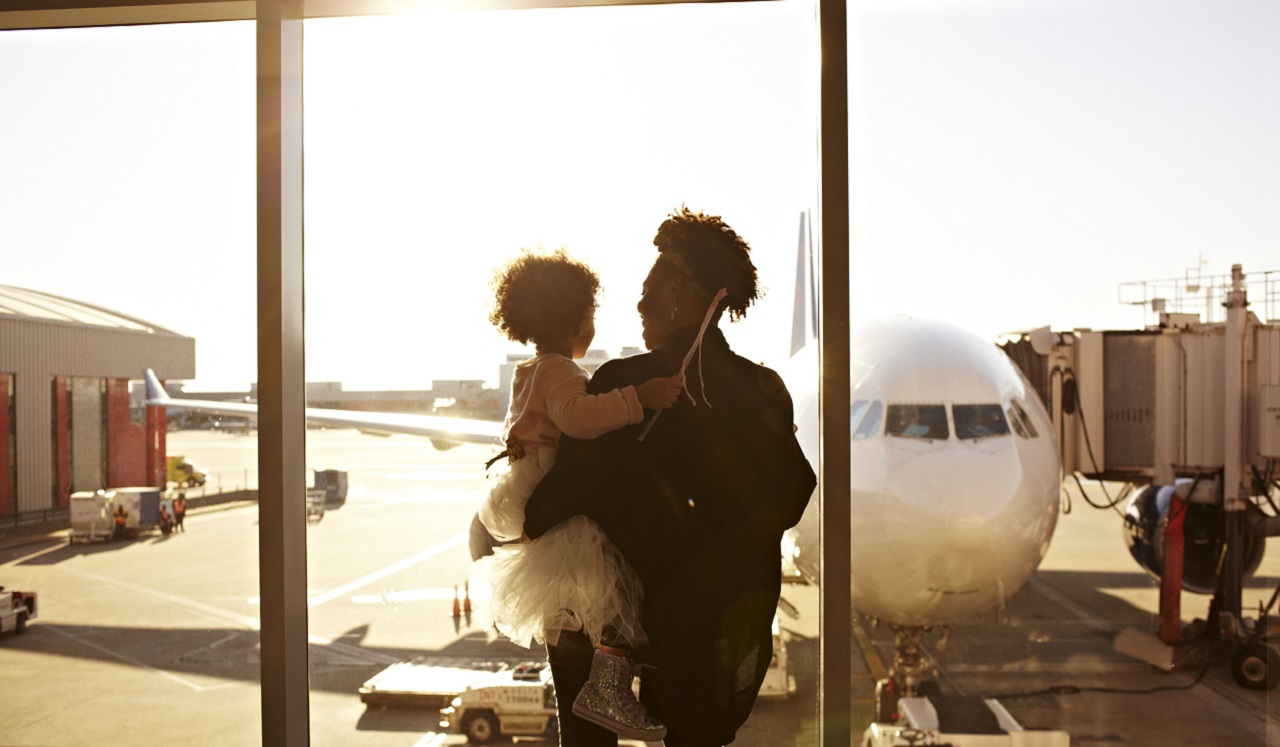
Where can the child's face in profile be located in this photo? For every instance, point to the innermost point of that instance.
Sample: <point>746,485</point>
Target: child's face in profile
<point>582,342</point>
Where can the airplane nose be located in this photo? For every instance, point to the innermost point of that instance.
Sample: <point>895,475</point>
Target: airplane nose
<point>964,488</point>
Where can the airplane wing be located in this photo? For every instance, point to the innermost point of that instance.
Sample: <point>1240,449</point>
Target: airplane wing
<point>441,430</point>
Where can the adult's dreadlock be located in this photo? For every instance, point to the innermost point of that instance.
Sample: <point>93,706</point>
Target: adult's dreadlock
<point>713,255</point>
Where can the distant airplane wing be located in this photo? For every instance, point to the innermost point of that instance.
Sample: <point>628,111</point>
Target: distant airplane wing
<point>438,429</point>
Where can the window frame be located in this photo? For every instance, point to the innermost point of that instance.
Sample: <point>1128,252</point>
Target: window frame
<point>282,433</point>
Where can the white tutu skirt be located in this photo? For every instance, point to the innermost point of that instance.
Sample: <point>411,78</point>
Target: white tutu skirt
<point>570,578</point>
<point>510,485</point>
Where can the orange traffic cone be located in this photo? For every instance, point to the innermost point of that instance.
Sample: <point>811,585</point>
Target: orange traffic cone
<point>457,610</point>
<point>466,597</point>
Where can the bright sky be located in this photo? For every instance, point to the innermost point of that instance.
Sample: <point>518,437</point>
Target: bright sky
<point>1012,163</point>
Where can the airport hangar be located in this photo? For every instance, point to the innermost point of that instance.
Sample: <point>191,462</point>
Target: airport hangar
<point>65,423</point>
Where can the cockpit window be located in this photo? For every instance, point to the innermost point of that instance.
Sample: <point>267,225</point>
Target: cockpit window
<point>856,411</point>
<point>979,421</point>
<point>870,424</point>
<point>917,421</point>
<point>1021,422</point>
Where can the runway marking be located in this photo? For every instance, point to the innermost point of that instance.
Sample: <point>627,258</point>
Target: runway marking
<point>1090,619</point>
<point>874,662</point>
<point>400,565</point>
<point>244,621</point>
<point>430,739</point>
<point>140,664</point>
<point>58,544</point>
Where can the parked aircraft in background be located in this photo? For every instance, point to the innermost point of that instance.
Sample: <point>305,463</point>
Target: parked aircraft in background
<point>444,432</point>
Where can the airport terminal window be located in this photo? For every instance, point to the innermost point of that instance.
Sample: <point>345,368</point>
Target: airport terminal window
<point>1021,423</point>
<point>870,424</point>
<point>927,422</point>
<point>979,421</point>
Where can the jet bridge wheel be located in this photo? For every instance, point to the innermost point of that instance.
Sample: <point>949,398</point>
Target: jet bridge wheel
<point>1256,666</point>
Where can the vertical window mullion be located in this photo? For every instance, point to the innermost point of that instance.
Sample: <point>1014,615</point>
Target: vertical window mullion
<point>834,394</point>
<point>281,388</point>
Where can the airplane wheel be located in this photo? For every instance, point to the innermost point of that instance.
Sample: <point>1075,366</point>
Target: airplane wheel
<point>1256,666</point>
<point>886,702</point>
<point>481,728</point>
<point>927,688</point>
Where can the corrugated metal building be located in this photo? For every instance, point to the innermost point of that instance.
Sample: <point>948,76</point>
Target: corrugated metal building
<point>65,424</point>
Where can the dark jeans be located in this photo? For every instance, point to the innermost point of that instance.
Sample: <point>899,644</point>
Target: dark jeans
<point>570,666</point>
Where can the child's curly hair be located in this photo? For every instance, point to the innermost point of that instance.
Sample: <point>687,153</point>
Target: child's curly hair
<point>714,256</point>
<point>541,297</point>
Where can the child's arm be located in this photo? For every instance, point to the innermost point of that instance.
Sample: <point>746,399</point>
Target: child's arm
<point>659,393</point>
<point>581,415</point>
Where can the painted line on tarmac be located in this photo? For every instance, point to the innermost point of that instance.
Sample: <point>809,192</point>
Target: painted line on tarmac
<point>1061,599</point>
<point>400,565</point>
<point>140,664</point>
<point>430,739</point>
<point>246,622</point>
<point>58,544</point>
<point>869,654</point>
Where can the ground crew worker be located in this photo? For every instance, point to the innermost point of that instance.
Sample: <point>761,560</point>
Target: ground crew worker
<point>121,518</point>
<point>180,511</point>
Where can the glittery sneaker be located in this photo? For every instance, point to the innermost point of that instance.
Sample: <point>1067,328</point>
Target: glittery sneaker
<point>608,701</point>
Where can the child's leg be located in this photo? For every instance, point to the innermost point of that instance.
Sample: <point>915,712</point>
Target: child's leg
<point>608,700</point>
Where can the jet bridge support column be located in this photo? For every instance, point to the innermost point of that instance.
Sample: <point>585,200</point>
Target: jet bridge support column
<point>1234,489</point>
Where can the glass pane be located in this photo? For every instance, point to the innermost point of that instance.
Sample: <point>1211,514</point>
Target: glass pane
<point>979,421</point>
<point>870,425</point>
<point>981,134</point>
<point>437,148</point>
<point>128,234</point>
<point>917,421</point>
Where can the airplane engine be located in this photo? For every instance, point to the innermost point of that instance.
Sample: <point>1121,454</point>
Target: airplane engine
<point>1144,528</point>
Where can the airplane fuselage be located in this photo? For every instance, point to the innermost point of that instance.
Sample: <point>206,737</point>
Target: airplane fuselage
<point>955,474</point>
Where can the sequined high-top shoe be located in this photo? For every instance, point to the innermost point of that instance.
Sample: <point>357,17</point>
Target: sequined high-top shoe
<point>608,701</point>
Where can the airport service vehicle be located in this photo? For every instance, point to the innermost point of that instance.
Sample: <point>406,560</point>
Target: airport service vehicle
<point>519,702</point>
<point>93,512</point>
<point>16,608</point>
<point>91,518</point>
<point>486,701</point>
<point>186,474</point>
<point>958,721</point>
<point>422,683</point>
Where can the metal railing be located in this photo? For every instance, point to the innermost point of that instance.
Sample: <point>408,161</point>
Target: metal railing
<point>1202,295</point>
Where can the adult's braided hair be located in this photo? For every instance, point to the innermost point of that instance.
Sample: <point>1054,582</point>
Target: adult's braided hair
<point>542,297</point>
<point>715,257</point>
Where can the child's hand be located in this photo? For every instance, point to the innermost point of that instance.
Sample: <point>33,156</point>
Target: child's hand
<point>659,393</point>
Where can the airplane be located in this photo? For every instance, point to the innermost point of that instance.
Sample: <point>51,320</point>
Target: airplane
<point>444,432</point>
<point>955,483</point>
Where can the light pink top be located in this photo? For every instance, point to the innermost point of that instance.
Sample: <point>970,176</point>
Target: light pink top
<point>549,397</point>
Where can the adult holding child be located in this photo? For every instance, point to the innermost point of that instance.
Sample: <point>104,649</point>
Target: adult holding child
<point>696,500</point>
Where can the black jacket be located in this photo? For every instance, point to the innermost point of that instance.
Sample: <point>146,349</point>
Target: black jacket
<point>698,508</point>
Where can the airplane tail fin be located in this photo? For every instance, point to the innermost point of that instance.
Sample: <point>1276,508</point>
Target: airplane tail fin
<point>804,312</point>
<point>155,392</point>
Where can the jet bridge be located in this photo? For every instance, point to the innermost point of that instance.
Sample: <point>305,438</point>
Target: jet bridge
<point>1183,402</point>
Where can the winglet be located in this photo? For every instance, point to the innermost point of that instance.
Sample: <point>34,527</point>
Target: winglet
<point>155,392</point>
